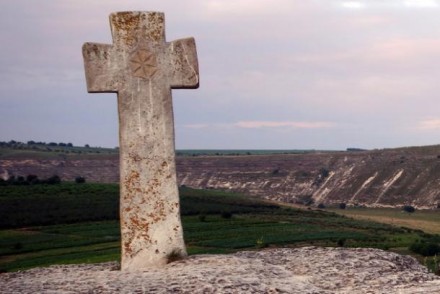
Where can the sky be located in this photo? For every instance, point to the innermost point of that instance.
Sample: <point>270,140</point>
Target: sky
<point>274,74</point>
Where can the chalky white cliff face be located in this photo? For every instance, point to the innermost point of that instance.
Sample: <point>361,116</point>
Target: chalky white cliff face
<point>383,178</point>
<point>142,68</point>
<point>387,178</point>
<point>303,270</point>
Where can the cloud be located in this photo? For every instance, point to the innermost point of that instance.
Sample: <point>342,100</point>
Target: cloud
<point>312,69</point>
<point>421,3</point>
<point>197,126</point>
<point>353,4</point>
<point>284,124</point>
<point>429,124</point>
<point>255,124</point>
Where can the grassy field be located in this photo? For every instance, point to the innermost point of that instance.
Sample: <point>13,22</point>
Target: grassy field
<point>84,225</point>
<point>37,151</point>
<point>425,220</point>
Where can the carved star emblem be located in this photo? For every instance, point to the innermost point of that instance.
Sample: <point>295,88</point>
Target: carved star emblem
<point>143,64</point>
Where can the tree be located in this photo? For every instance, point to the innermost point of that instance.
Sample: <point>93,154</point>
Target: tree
<point>80,180</point>
<point>409,208</point>
<point>342,205</point>
<point>32,179</point>
<point>53,180</point>
<point>324,172</point>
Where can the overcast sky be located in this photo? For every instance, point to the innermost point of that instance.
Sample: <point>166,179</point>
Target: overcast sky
<point>274,74</point>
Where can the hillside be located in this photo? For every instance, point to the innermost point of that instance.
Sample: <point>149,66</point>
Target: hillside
<point>377,178</point>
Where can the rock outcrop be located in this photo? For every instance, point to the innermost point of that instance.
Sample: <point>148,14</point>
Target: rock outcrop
<point>386,178</point>
<point>301,270</point>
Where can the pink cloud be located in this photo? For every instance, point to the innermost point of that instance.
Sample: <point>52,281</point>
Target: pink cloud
<point>429,124</point>
<point>283,124</point>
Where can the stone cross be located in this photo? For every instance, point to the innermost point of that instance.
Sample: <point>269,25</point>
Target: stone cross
<point>142,68</point>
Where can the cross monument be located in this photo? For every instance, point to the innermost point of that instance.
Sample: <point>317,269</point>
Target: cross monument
<point>142,68</point>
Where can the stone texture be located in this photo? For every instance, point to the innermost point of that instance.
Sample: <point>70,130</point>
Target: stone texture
<point>302,270</point>
<point>142,68</point>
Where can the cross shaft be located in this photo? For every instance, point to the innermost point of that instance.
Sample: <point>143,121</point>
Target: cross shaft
<point>141,67</point>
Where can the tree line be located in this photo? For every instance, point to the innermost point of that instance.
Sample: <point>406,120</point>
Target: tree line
<point>34,180</point>
<point>29,180</point>
<point>13,143</point>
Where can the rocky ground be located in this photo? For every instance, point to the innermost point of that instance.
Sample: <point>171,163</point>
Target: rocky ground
<point>301,270</point>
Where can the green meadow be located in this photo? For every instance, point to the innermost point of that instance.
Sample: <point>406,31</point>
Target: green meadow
<point>78,223</point>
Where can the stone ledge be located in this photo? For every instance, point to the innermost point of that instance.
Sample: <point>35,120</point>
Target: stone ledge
<point>285,270</point>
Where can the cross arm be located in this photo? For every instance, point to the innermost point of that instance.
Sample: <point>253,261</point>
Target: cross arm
<point>98,67</point>
<point>184,63</point>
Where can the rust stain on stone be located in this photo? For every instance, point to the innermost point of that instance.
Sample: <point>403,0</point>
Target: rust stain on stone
<point>156,21</point>
<point>135,157</point>
<point>126,24</point>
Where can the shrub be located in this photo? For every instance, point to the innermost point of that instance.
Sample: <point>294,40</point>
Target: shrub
<point>425,248</point>
<point>342,205</point>
<point>20,180</point>
<point>409,208</point>
<point>202,217</point>
<point>226,214</point>
<point>53,180</point>
<point>324,172</point>
<point>260,243</point>
<point>32,179</point>
<point>18,246</point>
<point>321,206</point>
<point>80,180</point>
<point>341,242</point>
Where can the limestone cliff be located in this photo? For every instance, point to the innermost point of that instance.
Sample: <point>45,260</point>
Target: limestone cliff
<point>383,178</point>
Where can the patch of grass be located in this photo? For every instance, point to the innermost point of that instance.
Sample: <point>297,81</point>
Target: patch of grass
<point>425,220</point>
<point>75,236</point>
<point>195,202</point>
<point>22,206</point>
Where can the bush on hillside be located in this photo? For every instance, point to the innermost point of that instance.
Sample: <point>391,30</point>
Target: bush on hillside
<point>425,248</point>
<point>226,214</point>
<point>80,180</point>
<point>409,208</point>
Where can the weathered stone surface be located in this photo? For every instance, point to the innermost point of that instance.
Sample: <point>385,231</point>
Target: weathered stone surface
<point>142,68</point>
<point>301,270</point>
